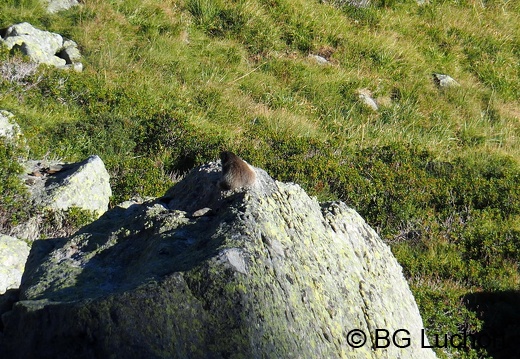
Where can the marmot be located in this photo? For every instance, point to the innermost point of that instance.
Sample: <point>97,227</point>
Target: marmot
<point>236,172</point>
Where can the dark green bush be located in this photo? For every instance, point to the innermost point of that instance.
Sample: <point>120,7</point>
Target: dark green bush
<point>137,176</point>
<point>14,207</point>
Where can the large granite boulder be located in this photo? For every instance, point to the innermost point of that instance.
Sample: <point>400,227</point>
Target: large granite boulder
<point>43,47</point>
<point>266,272</point>
<point>13,254</point>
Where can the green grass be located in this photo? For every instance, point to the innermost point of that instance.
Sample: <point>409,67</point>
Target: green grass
<point>168,84</point>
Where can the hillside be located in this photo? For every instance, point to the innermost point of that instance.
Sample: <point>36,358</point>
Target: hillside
<point>168,84</point>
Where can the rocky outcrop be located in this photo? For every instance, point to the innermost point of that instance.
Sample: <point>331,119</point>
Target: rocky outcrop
<point>262,273</point>
<point>13,254</point>
<point>84,184</point>
<point>43,47</point>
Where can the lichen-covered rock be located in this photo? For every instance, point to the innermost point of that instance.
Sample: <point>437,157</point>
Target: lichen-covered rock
<point>262,273</point>
<point>13,255</point>
<point>42,47</point>
<point>84,184</point>
<point>8,127</point>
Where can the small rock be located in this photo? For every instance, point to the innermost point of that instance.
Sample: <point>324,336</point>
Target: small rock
<point>319,59</point>
<point>360,4</point>
<point>54,168</point>
<point>444,81</point>
<point>365,96</point>
<point>53,6</point>
<point>78,66</point>
<point>8,127</point>
<point>70,52</point>
<point>201,212</point>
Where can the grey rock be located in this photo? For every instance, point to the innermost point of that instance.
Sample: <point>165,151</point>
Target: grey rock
<point>354,3</point>
<point>202,212</point>
<point>444,81</point>
<point>54,6</point>
<point>78,66</point>
<point>365,96</point>
<point>56,186</point>
<point>271,273</point>
<point>42,47</point>
<point>8,126</point>
<point>319,59</point>
<point>13,255</point>
<point>359,3</point>
<point>70,52</point>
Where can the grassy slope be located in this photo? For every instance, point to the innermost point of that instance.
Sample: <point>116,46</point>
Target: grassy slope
<point>169,83</point>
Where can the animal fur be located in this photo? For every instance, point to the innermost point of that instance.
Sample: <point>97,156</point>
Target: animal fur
<point>236,172</point>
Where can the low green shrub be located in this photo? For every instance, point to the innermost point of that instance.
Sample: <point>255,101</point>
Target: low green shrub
<point>14,198</point>
<point>62,223</point>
